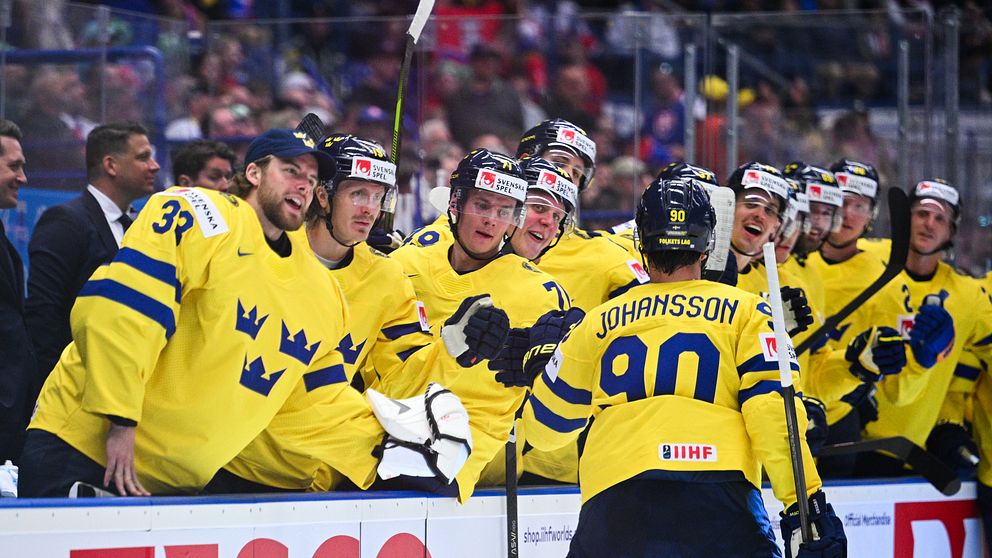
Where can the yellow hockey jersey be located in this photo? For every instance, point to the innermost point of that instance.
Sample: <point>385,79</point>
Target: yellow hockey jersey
<point>842,282</point>
<point>679,377</point>
<point>909,403</point>
<point>520,289</point>
<point>200,332</point>
<point>386,327</point>
<point>826,374</point>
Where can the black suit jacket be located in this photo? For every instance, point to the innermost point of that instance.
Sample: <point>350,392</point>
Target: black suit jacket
<point>69,242</point>
<point>18,372</point>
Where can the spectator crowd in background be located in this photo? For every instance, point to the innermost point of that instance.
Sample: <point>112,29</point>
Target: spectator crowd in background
<point>484,72</point>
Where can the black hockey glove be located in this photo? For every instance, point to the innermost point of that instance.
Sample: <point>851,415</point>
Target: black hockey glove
<point>817,429</point>
<point>876,352</point>
<point>383,241</point>
<point>795,307</point>
<point>510,360</point>
<point>829,540</point>
<point>542,339</point>
<point>475,331</point>
<point>952,444</point>
<point>932,336</point>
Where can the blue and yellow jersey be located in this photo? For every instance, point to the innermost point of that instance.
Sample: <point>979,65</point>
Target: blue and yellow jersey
<point>678,377</point>
<point>522,291</point>
<point>910,402</point>
<point>592,268</point>
<point>201,333</point>
<point>826,374</point>
<point>438,231</point>
<point>842,282</point>
<point>385,329</point>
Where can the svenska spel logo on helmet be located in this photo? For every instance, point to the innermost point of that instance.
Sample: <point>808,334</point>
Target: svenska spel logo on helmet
<point>766,181</point>
<point>374,170</point>
<point>548,178</point>
<point>861,185</point>
<point>500,183</point>
<point>577,140</point>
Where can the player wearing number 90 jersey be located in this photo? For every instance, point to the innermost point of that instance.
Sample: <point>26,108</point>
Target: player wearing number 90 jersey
<point>678,383</point>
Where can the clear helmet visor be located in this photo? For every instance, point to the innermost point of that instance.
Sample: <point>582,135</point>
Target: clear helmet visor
<point>490,206</point>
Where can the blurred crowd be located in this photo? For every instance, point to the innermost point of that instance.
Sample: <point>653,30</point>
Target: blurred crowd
<point>484,72</point>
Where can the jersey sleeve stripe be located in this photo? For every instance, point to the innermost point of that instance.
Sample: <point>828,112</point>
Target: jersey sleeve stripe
<point>156,269</point>
<point>620,290</point>
<point>757,363</point>
<point>967,372</point>
<point>324,377</point>
<point>566,392</point>
<point>761,388</point>
<point>552,420</point>
<point>397,331</point>
<point>140,303</point>
<point>983,342</point>
<point>405,354</point>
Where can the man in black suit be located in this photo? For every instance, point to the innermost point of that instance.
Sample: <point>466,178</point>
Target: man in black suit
<point>71,240</point>
<point>18,375</point>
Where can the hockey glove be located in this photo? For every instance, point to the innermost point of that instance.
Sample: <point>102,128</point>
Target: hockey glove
<point>475,331</point>
<point>952,444</point>
<point>796,310</point>
<point>542,339</point>
<point>509,363</point>
<point>816,429</point>
<point>876,352</point>
<point>383,241</point>
<point>425,436</point>
<point>932,336</point>
<point>829,540</point>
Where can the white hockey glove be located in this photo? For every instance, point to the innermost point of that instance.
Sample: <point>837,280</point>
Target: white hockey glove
<point>426,436</point>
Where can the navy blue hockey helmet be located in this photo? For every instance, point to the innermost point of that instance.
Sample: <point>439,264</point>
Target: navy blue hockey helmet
<point>820,186</point>
<point>763,177</point>
<point>562,134</point>
<point>701,175</point>
<point>674,215</point>
<point>493,172</point>
<point>362,159</point>
<point>855,177</point>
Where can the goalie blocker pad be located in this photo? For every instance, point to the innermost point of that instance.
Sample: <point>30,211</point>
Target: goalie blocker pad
<point>426,436</point>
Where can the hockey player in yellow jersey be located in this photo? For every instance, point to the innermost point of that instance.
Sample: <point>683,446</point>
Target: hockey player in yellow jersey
<point>386,325</point>
<point>825,199</point>
<point>941,314</point>
<point>210,320</point>
<point>679,389</point>
<point>844,267</point>
<point>488,193</point>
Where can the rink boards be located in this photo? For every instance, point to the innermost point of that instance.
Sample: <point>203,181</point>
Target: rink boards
<point>902,519</point>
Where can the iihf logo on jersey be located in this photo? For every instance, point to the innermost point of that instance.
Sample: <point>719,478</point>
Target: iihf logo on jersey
<point>687,452</point>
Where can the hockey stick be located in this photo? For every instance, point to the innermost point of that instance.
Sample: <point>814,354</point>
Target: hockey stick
<point>512,515</point>
<point>922,462</point>
<point>783,348</point>
<point>899,218</point>
<point>412,36</point>
<point>312,126</point>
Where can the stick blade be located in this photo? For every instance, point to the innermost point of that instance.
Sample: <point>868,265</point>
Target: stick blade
<point>312,126</point>
<point>724,202</point>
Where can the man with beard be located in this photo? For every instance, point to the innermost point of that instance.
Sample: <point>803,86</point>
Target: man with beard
<point>210,320</point>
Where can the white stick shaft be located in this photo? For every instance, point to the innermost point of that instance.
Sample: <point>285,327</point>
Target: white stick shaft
<point>420,19</point>
<point>782,341</point>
